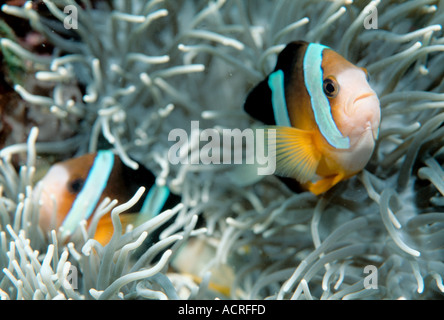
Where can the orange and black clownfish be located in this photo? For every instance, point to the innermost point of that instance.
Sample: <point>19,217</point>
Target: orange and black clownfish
<point>324,112</point>
<point>78,185</point>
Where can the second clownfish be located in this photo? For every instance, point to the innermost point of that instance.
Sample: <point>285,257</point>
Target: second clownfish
<point>324,114</point>
<point>78,185</point>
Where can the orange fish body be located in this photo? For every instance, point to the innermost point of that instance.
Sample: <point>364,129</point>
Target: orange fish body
<point>66,183</point>
<point>321,113</point>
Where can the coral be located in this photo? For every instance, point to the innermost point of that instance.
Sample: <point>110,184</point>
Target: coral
<point>134,70</point>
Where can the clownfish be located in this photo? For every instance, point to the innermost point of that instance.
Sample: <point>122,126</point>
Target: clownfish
<point>324,114</point>
<point>78,185</point>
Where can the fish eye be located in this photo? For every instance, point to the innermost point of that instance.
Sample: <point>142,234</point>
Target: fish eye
<point>331,87</point>
<point>75,185</point>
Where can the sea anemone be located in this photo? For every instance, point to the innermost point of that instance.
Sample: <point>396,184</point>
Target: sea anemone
<point>129,72</point>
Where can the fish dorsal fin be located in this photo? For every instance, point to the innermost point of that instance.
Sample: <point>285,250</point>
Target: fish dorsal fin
<point>258,103</point>
<point>313,76</point>
<point>296,153</point>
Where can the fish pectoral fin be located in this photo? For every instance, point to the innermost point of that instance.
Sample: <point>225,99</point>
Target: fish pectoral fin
<point>296,153</point>
<point>325,184</point>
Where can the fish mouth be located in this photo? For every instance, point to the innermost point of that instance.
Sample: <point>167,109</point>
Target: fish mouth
<point>363,96</point>
<point>366,112</point>
<point>371,123</point>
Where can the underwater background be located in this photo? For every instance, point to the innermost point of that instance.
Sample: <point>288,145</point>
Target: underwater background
<point>126,73</point>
